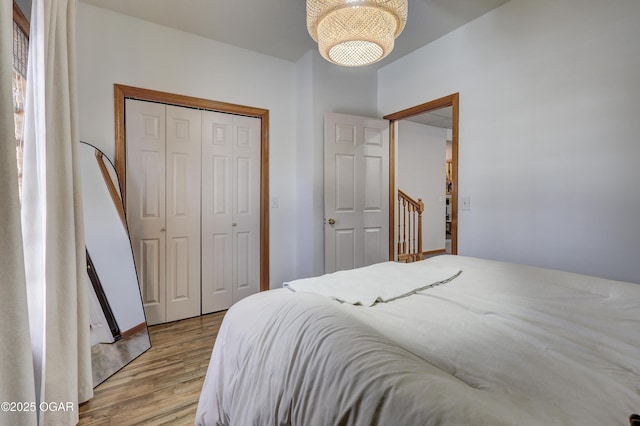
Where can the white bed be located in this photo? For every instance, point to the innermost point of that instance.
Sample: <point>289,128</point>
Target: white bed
<point>497,344</point>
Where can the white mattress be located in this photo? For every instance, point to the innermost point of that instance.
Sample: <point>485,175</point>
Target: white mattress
<point>500,344</point>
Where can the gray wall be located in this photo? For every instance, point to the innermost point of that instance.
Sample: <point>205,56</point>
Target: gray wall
<point>421,173</point>
<point>114,48</point>
<point>549,130</point>
<point>548,123</point>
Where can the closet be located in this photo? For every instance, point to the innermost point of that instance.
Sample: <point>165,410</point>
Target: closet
<point>192,199</point>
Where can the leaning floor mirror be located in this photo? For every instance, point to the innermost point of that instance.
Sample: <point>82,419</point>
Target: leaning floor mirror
<point>117,320</point>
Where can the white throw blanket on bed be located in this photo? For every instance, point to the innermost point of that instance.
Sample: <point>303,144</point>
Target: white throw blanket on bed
<point>371,284</point>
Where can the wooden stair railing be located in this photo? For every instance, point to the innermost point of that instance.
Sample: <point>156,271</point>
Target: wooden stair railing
<point>409,228</point>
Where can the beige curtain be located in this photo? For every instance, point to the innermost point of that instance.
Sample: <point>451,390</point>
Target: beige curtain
<point>16,367</point>
<point>52,217</point>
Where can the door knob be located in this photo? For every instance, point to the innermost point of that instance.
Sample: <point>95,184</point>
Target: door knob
<point>163,229</point>
<point>331,221</point>
<point>234,224</point>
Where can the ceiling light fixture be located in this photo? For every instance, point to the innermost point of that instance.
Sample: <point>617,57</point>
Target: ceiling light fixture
<point>355,32</point>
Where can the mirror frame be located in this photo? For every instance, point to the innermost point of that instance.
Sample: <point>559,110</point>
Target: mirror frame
<point>453,101</point>
<point>126,350</point>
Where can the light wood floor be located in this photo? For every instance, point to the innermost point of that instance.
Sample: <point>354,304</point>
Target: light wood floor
<point>162,386</point>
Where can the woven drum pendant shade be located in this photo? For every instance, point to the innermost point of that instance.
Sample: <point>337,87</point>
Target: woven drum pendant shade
<point>355,33</point>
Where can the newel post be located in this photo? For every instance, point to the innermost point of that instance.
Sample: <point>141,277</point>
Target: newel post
<point>420,210</point>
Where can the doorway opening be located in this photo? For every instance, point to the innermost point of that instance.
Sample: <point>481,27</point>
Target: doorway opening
<point>452,102</point>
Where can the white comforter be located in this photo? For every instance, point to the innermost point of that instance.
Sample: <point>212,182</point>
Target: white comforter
<point>500,344</point>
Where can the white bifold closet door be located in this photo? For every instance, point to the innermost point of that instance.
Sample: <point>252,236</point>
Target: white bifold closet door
<point>230,209</point>
<point>193,200</point>
<point>163,206</point>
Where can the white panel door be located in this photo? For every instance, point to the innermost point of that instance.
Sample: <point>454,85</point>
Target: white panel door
<point>145,199</point>
<point>356,170</point>
<point>246,206</point>
<point>230,209</point>
<point>217,211</point>
<point>184,136</point>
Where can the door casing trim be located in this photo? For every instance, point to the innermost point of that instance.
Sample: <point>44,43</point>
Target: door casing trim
<point>453,101</point>
<point>122,92</point>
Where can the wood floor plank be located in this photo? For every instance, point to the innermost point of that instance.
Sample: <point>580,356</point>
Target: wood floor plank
<point>161,386</point>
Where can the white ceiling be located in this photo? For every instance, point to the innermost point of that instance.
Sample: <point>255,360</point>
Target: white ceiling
<point>278,27</point>
<point>439,118</point>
